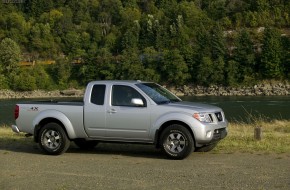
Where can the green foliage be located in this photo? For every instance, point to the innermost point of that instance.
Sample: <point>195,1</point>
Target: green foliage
<point>169,41</point>
<point>9,55</point>
<point>3,82</point>
<point>23,81</point>
<point>271,58</point>
<point>218,75</point>
<point>62,73</point>
<point>232,70</point>
<point>205,70</point>
<point>173,67</point>
<point>244,55</point>
<point>42,79</point>
<point>286,55</point>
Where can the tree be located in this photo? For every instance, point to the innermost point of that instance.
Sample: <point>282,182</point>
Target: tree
<point>217,76</point>
<point>232,73</point>
<point>42,40</point>
<point>42,79</point>
<point>17,27</point>
<point>105,65</point>
<point>173,67</point>
<point>64,74</point>
<point>244,55</point>
<point>9,55</point>
<point>23,80</point>
<point>286,57</point>
<point>217,9</point>
<point>271,57</point>
<point>130,67</point>
<point>218,43</point>
<point>203,43</point>
<point>205,70</point>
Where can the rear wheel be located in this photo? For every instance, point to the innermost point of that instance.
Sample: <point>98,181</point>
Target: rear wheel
<point>177,142</point>
<point>53,139</point>
<point>84,144</point>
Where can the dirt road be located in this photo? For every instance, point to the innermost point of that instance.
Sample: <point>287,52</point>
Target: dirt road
<point>115,166</point>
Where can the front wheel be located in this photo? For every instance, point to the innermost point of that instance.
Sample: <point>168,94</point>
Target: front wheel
<point>53,139</point>
<point>177,142</point>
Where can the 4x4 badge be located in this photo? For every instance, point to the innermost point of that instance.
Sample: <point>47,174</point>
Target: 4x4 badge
<point>34,108</point>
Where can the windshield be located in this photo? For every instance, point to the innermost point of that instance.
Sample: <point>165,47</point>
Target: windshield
<point>157,93</point>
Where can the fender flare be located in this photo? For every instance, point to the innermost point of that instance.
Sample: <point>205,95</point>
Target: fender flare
<point>173,116</point>
<point>57,115</point>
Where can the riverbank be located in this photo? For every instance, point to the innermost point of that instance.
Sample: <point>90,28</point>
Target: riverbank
<point>264,89</point>
<point>9,94</point>
<point>267,89</point>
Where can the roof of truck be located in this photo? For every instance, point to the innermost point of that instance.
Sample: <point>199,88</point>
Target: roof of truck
<point>119,81</point>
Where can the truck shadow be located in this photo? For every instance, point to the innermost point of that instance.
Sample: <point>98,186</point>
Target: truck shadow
<point>131,150</point>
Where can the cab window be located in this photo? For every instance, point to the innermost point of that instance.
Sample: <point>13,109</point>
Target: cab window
<point>98,94</point>
<point>123,95</point>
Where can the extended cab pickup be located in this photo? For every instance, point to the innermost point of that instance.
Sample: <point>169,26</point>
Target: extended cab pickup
<point>123,111</point>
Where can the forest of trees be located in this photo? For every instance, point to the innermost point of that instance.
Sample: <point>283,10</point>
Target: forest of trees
<point>202,42</point>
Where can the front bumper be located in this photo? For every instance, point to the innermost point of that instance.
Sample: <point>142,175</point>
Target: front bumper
<point>15,129</point>
<point>210,133</point>
<point>219,134</point>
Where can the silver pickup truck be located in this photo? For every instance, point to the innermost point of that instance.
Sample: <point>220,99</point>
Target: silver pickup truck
<point>123,111</point>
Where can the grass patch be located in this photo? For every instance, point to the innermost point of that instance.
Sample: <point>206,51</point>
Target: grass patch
<point>7,136</point>
<point>275,138</point>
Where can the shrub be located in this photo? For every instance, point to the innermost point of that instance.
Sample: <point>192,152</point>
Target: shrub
<point>23,81</point>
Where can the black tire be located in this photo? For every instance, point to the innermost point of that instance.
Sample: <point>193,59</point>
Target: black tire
<point>84,144</point>
<point>206,148</point>
<point>53,139</point>
<point>177,142</point>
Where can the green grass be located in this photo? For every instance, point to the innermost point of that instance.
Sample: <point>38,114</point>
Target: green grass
<point>7,136</point>
<point>275,138</point>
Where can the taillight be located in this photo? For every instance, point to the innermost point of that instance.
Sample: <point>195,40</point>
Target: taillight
<point>16,112</point>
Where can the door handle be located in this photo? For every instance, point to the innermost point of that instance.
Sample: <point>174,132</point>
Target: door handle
<point>112,111</point>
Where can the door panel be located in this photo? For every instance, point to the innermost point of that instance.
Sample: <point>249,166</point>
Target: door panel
<point>125,120</point>
<point>128,122</point>
<point>95,113</point>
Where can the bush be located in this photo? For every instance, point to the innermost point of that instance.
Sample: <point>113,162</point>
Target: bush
<point>23,82</point>
<point>3,82</point>
<point>42,78</point>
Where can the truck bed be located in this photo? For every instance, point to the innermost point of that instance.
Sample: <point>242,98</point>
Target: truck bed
<point>78,102</point>
<point>71,111</point>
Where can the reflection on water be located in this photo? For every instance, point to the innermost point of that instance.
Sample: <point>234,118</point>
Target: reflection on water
<point>236,108</point>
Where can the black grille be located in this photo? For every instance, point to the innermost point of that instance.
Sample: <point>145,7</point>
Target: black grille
<point>219,116</point>
<point>219,134</point>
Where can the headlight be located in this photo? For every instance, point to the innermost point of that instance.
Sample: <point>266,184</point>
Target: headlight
<point>203,117</point>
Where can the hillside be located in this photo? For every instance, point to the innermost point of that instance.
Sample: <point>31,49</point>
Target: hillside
<point>203,42</point>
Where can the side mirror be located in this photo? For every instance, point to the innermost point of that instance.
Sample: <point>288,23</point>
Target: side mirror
<point>137,102</point>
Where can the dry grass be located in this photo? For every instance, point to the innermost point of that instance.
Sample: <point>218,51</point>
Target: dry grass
<point>275,137</point>
<point>7,136</point>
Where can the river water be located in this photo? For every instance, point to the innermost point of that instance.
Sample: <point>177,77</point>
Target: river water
<point>236,108</point>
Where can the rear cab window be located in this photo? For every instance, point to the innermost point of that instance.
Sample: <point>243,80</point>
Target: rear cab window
<point>98,94</point>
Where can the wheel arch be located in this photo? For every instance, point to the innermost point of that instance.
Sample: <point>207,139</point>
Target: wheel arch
<point>168,123</point>
<point>45,121</point>
<point>52,116</point>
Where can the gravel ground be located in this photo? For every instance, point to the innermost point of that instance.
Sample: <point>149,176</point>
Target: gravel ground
<point>123,166</point>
